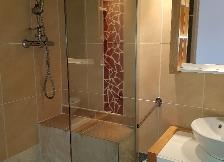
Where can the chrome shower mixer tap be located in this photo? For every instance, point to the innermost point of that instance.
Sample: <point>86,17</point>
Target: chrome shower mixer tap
<point>41,38</point>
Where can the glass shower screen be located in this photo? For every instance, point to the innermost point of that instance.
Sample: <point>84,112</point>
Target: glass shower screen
<point>101,50</point>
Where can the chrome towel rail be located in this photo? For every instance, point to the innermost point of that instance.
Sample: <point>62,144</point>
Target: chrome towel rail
<point>158,103</point>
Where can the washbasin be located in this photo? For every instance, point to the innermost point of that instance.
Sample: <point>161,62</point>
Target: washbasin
<point>209,132</point>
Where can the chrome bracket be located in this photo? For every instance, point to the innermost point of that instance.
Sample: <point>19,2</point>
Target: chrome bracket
<point>159,101</point>
<point>26,43</point>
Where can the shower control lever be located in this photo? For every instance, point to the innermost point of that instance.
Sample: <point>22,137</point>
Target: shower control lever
<point>26,43</point>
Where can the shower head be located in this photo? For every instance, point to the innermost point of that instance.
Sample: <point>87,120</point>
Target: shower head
<point>38,8</point>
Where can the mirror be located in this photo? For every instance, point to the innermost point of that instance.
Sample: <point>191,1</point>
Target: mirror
<point>197,36</point>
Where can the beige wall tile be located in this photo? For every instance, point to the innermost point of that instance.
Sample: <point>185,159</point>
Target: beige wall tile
<point>76,20</point>
<point>94,22</point>
<point>129,70</point>
<point>207,112</point>
<point>53,14</point>
<point>178,116</point>
<point>129,108</point>
<point>49,108</point>
<point>65,97</point>
<point>148,133</point>
<point>148,68</point>
<point>40,68</point>
<point>16,17</point>
<point>78,83</point>
<point>96,102</point>
<point>182,88</point>
<point>167,11</point>
<point>17,72</point>
<point>21,128</point>
<point>95,70</point>
<point>143,108</point>
<point>167,80</point>
<point>83,96</point>
<point>189,89</point>
<point>95,77</point>
<point>150,21</point>
<point>1,92</point>
<point>168,115</point>
<point>51,17</point>
<point>138,73</point>
<point>3,153</point>
<point>214,92</point>
<point>130,21</point>
<point>189,115</point>
<point>52,25</point>
<point>64,68</point>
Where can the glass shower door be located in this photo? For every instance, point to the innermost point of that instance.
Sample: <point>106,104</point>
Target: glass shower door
<point>101,50</point>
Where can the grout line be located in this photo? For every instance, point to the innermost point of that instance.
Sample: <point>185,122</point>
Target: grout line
<point>161,47</point>
<point>203,95</point>
<point>153,43</point>
<point>143,99</point>
<point>34,70</point>
<point>4,118</point>
<point>160,63</point>
<point>103,55</point>
<point>147,100</point>
<point>137,77</point>
<point>60,48</point>
<point>25,98</point>
<point>19,100</point>
<point>1,90</point>
<point>86,50</point>
<point>35,83</point>
<point>46,119</point>
<point>14,43</point>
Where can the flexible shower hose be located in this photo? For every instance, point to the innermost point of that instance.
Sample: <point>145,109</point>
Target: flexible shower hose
<point>42,37</point>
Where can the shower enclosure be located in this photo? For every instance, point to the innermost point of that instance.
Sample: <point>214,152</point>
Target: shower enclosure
<point>91,115</point>
<point>101,48</point>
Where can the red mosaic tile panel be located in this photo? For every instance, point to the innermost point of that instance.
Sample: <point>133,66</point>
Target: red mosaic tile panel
<point>113,56</point>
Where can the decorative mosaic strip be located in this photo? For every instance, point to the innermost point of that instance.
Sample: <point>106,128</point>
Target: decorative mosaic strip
<point>113,56</point>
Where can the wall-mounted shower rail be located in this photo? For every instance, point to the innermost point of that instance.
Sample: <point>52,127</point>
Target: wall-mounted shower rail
<point>158,102</point>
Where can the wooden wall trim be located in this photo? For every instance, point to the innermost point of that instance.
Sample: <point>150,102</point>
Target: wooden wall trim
<point>176,4</point>
<point>195,31</point>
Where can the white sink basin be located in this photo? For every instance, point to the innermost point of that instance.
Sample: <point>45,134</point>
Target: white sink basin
<point>209,132</point>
